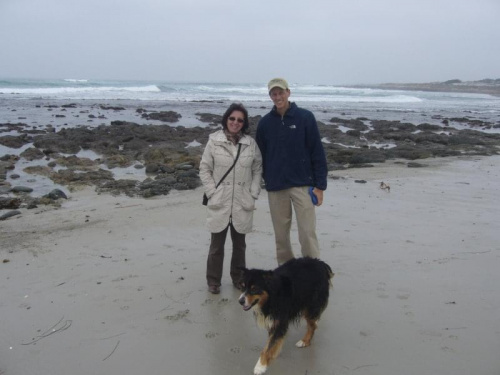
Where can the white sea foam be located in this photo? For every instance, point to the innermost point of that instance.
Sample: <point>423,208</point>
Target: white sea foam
<point>314,97</point>
<point>72,90</point>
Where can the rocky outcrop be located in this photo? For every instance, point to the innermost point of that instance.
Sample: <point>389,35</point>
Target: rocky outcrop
<point>169,163</point>
<point>165,116</point>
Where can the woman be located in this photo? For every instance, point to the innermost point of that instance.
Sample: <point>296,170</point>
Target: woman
<point>230,205</point>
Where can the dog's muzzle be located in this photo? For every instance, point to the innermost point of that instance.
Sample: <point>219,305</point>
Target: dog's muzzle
<point>243,302</point>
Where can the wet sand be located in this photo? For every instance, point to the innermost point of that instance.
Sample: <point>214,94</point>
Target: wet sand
<point>115,285</point>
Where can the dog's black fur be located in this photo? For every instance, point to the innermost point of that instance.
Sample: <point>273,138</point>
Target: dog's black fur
<point>297,289</point>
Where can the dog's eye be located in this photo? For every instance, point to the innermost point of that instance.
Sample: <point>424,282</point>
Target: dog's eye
<point>254,290</point>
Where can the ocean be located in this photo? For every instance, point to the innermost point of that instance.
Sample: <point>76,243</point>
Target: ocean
<point>326,101</point>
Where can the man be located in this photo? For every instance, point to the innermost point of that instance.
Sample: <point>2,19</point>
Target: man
<point>293,161</point>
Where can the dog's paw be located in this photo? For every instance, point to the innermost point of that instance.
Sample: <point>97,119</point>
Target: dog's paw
<point>259,368</point>
<point>301,344</point>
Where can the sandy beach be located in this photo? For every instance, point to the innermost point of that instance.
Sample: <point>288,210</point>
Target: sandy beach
<point>115,285</point>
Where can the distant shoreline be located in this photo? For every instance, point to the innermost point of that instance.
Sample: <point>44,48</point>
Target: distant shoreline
<point>489,87</point>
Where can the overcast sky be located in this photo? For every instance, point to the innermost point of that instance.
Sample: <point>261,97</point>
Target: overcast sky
<point>308,41</point>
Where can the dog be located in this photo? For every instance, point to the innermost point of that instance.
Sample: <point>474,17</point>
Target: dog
<point>297,289</point>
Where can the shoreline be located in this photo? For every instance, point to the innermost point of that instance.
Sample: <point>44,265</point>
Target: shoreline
<point>121,281</point>
<point>465,88</point>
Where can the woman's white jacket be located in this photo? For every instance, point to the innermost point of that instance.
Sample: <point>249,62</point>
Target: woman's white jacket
<point>234,199</point>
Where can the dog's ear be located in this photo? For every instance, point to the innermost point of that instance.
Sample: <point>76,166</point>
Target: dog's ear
<point>244,270</point>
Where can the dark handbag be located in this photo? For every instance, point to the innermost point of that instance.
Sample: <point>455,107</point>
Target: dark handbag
<point>205,198</point>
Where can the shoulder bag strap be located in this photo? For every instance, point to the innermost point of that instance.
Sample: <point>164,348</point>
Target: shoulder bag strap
<point>232,166</point>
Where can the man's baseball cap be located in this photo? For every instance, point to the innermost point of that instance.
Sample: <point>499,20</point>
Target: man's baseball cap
<point>277,82</point>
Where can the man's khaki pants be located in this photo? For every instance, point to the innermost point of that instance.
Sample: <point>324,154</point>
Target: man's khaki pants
<point>280,205</point>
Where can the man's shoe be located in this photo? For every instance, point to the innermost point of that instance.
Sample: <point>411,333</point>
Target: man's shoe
<point>214,289</point>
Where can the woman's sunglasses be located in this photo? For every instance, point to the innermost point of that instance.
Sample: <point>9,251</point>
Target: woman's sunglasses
<point>240,120</point>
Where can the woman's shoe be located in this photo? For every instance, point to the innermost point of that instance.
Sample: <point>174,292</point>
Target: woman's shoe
<point>214,289</point>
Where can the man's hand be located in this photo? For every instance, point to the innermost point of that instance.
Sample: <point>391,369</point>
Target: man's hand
<point>319,195</point>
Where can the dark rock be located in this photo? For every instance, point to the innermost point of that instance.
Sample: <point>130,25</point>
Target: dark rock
<point>14,141</point>
<point>32,204</point>
<point>209,118</point>
<point>166,169</point>
<point>117,187</point>
<point>39,170</point>
<point>59,142</point>
<point>192,173</point>
<point>9,203</point>
<point>416,165</point>
<point>118,160</point>
<point>355,124</point>
<point>32,154</point>
<point>184,166</point>
<point>9,214</point>
<point>162,186</point>
<point>152,168</point>
<point>165,116</point>
<point>353,133</point>
<point>106,107</point>
<point>70,177</point>
<point>429,127</point>
<point>56,194</point>
<point>21,189</point>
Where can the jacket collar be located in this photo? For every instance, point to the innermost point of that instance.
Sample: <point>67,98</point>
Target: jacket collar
<point>219,136</point>
<point>289,112</point>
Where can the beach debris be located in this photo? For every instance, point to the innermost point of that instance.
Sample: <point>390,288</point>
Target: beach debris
<point>58,327</point>
<point>6,261</point>
<point>360,181</point>
<point>385,187</point>
<point>110,354</point>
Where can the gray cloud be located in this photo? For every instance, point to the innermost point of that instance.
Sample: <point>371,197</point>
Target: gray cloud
<point>331,42</point>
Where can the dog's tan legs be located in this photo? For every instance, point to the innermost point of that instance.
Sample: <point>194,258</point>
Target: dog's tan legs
<point>306,340</point>
<point>270,352</point>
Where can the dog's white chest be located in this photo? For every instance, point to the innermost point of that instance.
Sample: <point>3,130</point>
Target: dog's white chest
<point>263,321</point>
